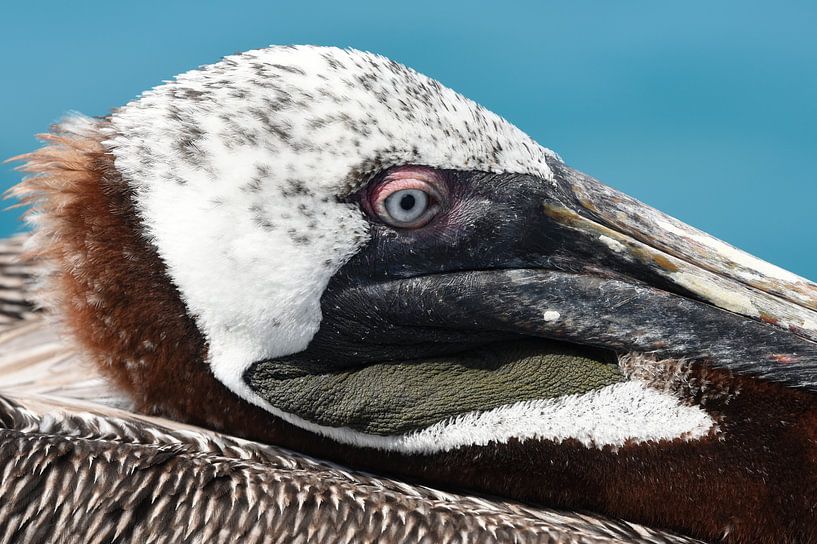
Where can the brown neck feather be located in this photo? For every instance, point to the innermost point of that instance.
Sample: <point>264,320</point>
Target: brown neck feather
<point>754,482</point>
<point>106,281</point>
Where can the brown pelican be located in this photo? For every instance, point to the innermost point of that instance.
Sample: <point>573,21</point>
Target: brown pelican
<point>326,251</point>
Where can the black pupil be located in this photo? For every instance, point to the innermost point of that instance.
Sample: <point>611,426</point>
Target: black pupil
<point>407,202</point>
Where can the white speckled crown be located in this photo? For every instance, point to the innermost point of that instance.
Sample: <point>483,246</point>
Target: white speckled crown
<point>238,166</point>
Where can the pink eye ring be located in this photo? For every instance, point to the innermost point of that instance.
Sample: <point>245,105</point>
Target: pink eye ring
<point>407,198</point>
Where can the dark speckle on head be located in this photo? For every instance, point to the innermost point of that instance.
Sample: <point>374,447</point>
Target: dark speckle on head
<point>290,69</point>
<point>260,218</point>
<point>333,62</point>
<point>305,210</point>
<point>295,187</point>
<point>299,238</point>
<point>254,185</point>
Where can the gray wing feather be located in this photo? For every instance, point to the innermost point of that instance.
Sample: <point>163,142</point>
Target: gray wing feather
<point>16,277</point>
<point>35,360</point>
<point>69,474</point>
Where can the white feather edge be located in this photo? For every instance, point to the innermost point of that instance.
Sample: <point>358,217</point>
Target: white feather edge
<point>608,417</point>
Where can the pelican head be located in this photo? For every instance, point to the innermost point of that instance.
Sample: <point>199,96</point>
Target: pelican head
<point>324,249</point>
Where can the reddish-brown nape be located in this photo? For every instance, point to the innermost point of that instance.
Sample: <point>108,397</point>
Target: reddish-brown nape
<point>755,481</point>
<point>106,281</point>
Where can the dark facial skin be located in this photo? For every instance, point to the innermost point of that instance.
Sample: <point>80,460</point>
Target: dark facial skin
<point>486,221</point>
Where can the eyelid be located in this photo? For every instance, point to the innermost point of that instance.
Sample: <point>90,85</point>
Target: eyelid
<point>387,187</point>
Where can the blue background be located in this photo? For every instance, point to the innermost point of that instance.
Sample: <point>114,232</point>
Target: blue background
<point>706,110</point>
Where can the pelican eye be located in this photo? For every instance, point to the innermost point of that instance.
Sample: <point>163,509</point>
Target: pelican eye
<point>406,205</point>
<point>405,201</point>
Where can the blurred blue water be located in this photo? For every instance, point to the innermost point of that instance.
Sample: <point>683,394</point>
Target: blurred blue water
<point>707,110</point>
